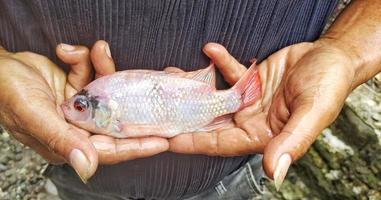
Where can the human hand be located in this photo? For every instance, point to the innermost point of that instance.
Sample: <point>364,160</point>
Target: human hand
<point>309,98</point>
<point>33,89</point>
<point>303,89</point>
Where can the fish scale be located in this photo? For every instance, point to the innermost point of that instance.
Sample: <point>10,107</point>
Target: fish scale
<point>136,103</point>
<point>162,105</point>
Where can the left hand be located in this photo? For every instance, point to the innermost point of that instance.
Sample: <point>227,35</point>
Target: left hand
<point>86,65</point>
<point>304,87</point>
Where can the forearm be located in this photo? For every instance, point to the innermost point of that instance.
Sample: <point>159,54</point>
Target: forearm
<point>357,33</point>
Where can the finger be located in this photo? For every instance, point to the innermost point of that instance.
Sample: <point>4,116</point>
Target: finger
<point>101,59</point>
<point>81,71</point>
<point>112,150</point>
<point>303,127</point>
<point>230,68</point>
<point>226,142</point>
<point>38,147</point>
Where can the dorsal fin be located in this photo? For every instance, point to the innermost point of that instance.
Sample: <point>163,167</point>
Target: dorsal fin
<point>207,75</point>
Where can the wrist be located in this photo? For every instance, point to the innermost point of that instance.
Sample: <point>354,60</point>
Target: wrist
<point>364,66</point>
<point>344,49</point>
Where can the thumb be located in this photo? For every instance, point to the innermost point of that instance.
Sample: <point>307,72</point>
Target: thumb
<point>300,131</point>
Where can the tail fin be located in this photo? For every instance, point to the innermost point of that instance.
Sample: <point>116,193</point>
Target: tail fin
<point>249,86</point>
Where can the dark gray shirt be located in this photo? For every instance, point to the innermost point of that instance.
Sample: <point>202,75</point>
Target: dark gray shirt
<point>152,34</point>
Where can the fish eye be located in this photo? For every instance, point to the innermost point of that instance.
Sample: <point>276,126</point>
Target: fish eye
<point>81,104</point>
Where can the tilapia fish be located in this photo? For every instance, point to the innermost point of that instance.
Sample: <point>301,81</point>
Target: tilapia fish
<point>136,103</point>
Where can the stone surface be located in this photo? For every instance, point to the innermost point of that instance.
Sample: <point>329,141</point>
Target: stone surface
<point>20,171</point>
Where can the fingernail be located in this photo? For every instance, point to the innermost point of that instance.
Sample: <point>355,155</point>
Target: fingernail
<point>80,164</point>
<point>67,47</point>
<point>281,169</point>
<point>108,52</point>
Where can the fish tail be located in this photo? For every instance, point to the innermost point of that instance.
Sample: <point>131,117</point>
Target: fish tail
<point>249,86</point>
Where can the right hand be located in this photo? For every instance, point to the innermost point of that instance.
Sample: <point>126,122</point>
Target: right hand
<point>32,89</point>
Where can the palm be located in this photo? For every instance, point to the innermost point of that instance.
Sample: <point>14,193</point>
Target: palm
<point>303,87</point>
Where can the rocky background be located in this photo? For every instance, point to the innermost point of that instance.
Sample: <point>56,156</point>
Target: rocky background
<point>344,163</point>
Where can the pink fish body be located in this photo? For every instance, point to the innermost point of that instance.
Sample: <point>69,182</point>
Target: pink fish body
<point>135,103</point>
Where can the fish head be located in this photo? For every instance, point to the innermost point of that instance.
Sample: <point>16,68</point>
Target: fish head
<point>87,110</point>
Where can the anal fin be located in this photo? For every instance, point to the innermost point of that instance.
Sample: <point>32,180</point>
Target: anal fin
<point>217,123</point>
<point>126,130</point>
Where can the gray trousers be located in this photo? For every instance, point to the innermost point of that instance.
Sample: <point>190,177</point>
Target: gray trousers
<point>243,184</point>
